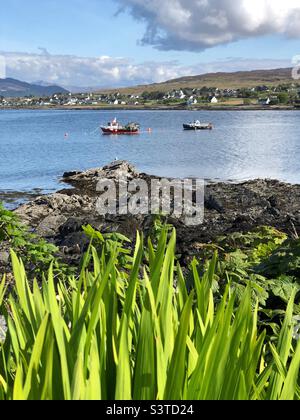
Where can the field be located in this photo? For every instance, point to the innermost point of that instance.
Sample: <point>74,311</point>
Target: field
<point>219,80</point>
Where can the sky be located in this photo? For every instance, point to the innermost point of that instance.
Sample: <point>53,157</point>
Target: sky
<point>110,43</point>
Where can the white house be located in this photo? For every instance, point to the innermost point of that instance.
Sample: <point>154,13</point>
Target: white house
<point>192,101</point>
<point>181,95</point>
<point>72,101</point>
<point>264,101</point>
<point>214,100</point>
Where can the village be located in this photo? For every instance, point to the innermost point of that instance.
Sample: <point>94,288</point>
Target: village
<point>287,95</point>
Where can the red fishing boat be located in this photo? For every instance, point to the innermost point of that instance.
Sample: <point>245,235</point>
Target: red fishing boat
<point>114,127</point>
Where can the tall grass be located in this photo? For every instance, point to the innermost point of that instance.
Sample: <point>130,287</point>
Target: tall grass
<point>119,334</point>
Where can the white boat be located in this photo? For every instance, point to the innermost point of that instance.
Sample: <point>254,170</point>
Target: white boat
<point>197,125</point>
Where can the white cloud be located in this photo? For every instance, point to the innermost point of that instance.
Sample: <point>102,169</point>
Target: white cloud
<point>107,71</point>
<point>102,71</point>
<point>199,24</point>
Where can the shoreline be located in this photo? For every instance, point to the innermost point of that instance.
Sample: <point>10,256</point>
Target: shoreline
<point>13,199</point>
<point>228,208</point>
<point>154,108</point>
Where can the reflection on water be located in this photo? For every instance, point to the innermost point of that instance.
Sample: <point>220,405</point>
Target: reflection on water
<point>244,145</point>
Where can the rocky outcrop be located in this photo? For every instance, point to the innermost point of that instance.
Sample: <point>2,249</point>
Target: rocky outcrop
<point>228,207</point>
<point>4,258</point>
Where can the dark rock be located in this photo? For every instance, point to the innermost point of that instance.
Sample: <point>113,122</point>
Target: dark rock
<point>274,202</point>
<point>211,203</point>
<point>70,174</point>
<point>50,225</point>
<point>72,225</point>
<point>4,258</point>
<point>274,211</point>
<point>228,208</point>
<point>77,240</point>
<point>243,218</point>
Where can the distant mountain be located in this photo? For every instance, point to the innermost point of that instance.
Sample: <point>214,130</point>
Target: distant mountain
<point>241,79</point>
<point>11,88</point>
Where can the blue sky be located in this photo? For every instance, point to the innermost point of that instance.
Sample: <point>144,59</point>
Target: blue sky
<point>69,29</point>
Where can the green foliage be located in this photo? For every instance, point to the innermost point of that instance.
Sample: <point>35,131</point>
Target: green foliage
<point>153,96</point>
<point>36,253</point>
<point>105,243</point>
<point>132,335</point>
<point>285,260</point>
<point>121,330</point>
<point>158,226</point>
<point>10,228</point>
<point>264,258</point>
<point>283,97</point>
<point>247,101</point>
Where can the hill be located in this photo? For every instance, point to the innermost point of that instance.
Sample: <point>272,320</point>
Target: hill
<point>241,79</point>
<point>11,88</point>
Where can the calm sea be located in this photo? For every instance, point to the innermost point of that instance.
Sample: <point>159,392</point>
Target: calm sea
<point>34,151</point>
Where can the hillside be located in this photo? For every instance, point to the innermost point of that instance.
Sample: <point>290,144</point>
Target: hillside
<point>11,88</point>
<point>219,80</point>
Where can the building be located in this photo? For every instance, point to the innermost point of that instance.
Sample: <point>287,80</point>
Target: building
<point>264,101</point>
<point>192,101</point>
